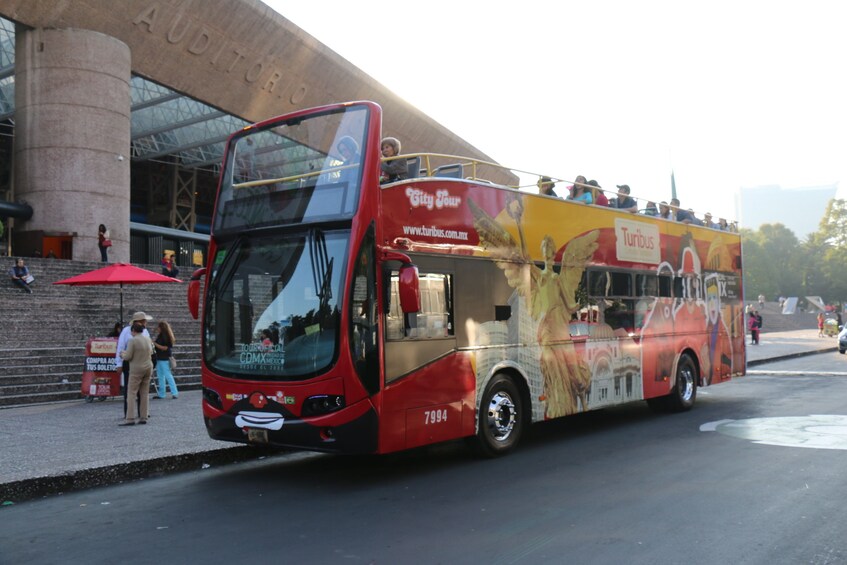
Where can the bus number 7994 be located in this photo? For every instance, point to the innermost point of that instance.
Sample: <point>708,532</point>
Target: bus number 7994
<point>435,416</point>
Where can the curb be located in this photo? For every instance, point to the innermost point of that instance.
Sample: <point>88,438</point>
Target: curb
<point>28,489</point>
<point>790,356</point>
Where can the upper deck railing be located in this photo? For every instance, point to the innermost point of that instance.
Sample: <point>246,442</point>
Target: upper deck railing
<point>439,165</point>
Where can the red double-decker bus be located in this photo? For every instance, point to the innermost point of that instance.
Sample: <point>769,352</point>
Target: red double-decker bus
<point>344,315</point>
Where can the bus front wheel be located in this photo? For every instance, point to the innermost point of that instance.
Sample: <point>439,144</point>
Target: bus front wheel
<point>501,417</point>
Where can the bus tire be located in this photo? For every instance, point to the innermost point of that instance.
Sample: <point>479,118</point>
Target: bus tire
<point>501,417</point>
<point>684,391</point>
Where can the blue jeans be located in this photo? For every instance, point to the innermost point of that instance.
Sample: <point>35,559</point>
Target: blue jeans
<point>163,373</point>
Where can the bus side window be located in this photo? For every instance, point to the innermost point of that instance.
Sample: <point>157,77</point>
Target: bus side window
<point>647,285</point>
<point>363,330</point>
<point>677,287</point>
<point>621,315</point>
<point>435,318</point>
<point>665,286</point>
<point>621,284</point>
<point>598,283</point>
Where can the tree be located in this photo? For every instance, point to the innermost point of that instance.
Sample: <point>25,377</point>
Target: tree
<point>830,254</point>
<point>772,260</point>
<point>833,225</point>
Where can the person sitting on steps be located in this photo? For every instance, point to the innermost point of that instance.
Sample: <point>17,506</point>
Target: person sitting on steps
<point>20,275</point>
<point>169,268</point>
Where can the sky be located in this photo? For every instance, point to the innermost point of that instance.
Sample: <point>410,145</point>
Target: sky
<point>726,94</point>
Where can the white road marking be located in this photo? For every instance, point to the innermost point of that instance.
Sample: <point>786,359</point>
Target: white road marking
<point>820,431</point>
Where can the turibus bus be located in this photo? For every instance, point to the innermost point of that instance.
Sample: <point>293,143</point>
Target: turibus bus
<point>343,315</point>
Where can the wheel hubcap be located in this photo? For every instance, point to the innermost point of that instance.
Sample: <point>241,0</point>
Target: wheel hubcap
<point>501,416</point>
<point>686,383</point>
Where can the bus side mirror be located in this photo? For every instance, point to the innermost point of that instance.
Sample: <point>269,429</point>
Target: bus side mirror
<point>410,290</point>
<point>194,293</point>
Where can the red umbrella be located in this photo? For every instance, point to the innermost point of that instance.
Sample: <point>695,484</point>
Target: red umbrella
<point>117,273</point>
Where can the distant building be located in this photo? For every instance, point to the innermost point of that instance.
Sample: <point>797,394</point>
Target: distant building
<point>798,209</point>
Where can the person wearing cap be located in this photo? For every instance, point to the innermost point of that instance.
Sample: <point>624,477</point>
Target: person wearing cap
<point>137,354</point>
<point>121,364</point>
<point>707,221</point>
<point>624,201</point>
<point>546,186</point>
<point>694,219</point>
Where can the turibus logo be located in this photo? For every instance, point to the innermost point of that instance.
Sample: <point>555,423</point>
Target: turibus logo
<point>637,242</point>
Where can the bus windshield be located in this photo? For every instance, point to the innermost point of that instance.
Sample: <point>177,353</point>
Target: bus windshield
<point>274,304</point>
<point>302,169</point>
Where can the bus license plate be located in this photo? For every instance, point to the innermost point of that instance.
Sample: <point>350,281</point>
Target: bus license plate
<point>257,436</point>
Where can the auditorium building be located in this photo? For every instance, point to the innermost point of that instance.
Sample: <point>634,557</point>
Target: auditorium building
<point>117,113</point>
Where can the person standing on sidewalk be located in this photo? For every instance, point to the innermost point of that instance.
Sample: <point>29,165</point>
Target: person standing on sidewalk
<point>164,353</point>
<point>138,353</point>
<point>753,326</point>
<point>121,364</point>
<point>820,324</point>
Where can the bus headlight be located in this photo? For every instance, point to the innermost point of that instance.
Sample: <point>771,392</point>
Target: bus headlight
<point>322,404</point>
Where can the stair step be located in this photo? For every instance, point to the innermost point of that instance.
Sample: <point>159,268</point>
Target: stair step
<point>43,335</point>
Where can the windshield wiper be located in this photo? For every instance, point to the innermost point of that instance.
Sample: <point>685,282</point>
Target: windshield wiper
<point>321,268</point>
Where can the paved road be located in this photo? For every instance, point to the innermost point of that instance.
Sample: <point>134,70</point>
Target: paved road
<point>67,446</point>
<point>728,482</point>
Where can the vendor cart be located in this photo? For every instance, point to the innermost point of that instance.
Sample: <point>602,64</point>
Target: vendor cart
<point>830,327</point>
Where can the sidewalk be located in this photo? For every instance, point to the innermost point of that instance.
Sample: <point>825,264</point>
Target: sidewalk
<point>53,448</point>
<point>786,345</point>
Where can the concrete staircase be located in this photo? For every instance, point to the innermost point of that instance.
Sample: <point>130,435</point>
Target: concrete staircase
<point>43,334</point>
<point>773,320</point>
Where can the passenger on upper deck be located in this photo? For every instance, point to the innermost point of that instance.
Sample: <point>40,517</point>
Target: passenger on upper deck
<point>545,187</point>
<point>579,190</point>
<point>681,215</point>
<point>624,201</point>
<point>597,194</point>
<point>348,149</point>
<point>665,211</point>
<point>707,221</point>
<point>722,225</point>
<point>392,170</point>
<point>694,219</point>
<point>579,180</point>
<point>651,210</point>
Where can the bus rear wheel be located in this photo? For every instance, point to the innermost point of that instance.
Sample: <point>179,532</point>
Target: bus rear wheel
<point>501,417</point>
<point>684,392</point>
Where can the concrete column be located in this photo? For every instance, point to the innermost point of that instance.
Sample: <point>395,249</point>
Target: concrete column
<point>72,139</point>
